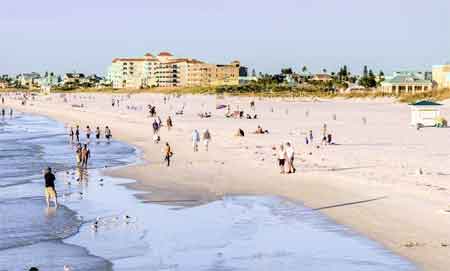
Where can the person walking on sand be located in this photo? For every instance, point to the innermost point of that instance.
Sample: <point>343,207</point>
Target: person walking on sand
<point>77,133</point>
<point>85,155</point>
<point>159,122</point>
<point>282,158</point>
<point>290,158</point>
<point>311,137</point>
<point>167,153</point>
<point>195,140</point>
<point>50,191</point>
<point>155,126</point>
<point>108,134</point>
<point>206,139</point>
<point>169,123</point>
<point>252,105</point>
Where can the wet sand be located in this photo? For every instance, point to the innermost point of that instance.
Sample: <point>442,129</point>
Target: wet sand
<point>368,181</point>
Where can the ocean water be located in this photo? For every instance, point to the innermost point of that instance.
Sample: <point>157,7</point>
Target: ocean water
<point>102,226</point>
<point>31,234</point>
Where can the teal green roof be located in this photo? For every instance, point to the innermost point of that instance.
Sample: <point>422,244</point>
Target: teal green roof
<point>407,79</point>
<point>425,103</point>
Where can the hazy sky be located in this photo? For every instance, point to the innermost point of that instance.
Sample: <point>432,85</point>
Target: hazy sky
<point>84,35</point>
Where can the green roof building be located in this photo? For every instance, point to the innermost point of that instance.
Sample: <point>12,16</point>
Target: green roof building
<point>406,83</point>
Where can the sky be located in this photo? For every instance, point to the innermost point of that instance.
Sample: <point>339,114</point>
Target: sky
<point>85,35</point>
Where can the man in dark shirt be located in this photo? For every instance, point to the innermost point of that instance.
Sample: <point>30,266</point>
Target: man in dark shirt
<point>50,192</point>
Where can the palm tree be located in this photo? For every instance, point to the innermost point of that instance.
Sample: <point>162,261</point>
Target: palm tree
<point>304,69</point>
<point>324,70</point>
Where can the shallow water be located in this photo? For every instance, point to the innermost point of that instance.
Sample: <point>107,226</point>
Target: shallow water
<point>30,234</point>
<point>235,233</point>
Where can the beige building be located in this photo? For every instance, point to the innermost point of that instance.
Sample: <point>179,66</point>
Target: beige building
<point>405,83</point>
<point>441,76</point>
<point>165,70</point>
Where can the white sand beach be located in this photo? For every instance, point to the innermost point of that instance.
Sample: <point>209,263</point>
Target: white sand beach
<point>382,178</point>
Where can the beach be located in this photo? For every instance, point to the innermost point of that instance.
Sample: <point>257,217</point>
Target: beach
<point>382,178</point>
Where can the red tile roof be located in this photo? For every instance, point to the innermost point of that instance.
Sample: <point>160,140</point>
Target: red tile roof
<point>165,54</point>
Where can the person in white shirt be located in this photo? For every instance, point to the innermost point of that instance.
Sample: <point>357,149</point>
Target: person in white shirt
<point>282,158</point>
<point>290,158</point>
<point>195,140</point>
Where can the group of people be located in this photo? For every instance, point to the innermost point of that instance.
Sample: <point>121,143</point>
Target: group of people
<point>327,137</point>
<point>74,134</point>
<point>206,136</point>
<point>82,155</point>
<point>3,112</point>
<point>286,158</point>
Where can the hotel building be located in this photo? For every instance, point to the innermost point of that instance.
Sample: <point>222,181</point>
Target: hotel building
<point>441,76</point>
<point>165,70</point>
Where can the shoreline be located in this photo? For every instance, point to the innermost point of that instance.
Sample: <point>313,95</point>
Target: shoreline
<point>376,210</point>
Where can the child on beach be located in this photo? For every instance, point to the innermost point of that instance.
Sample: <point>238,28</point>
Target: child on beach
<point>156,138</point>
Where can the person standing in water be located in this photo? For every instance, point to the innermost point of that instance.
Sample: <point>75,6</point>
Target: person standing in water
<point>3,112</point>
<point>108,134</point>
<point>78,155</point>
<point>167,154</point>
<point>97,133</point>
<point>206,139</point>
<point>71,134</point>
<point>50,191</point>
<point>77,133</point>
<point>85,155</point>
<point>195,140</point>
<point>88,133</point>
